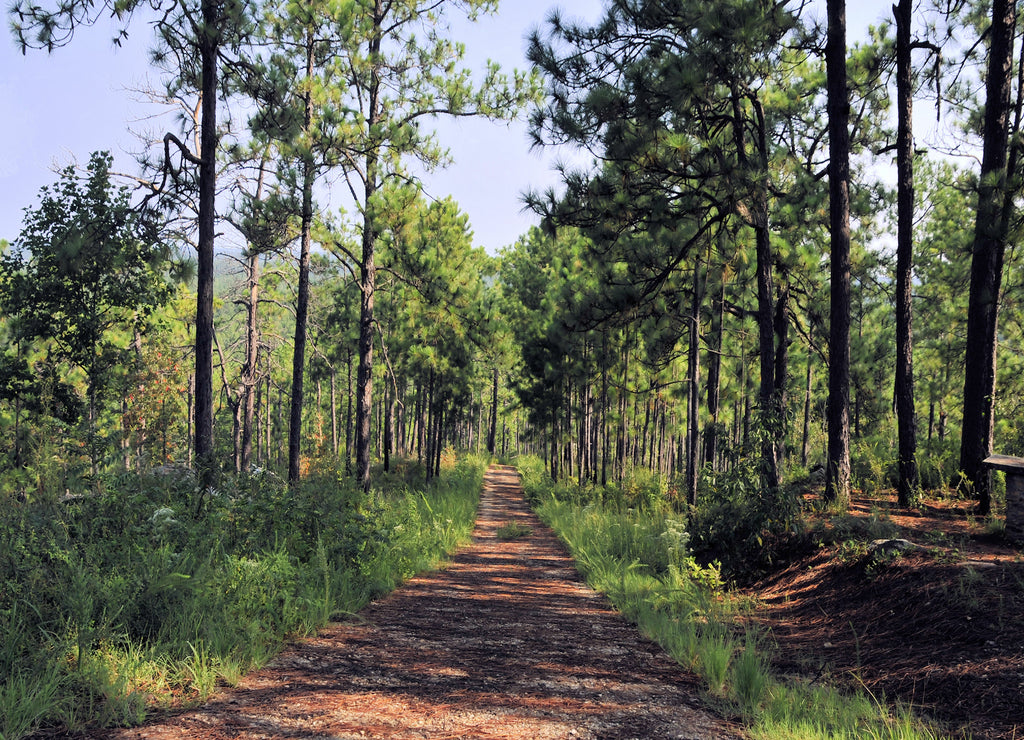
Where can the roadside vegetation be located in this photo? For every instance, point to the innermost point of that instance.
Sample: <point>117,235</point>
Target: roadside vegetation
<point>123,602</point>
<point>634,545</point>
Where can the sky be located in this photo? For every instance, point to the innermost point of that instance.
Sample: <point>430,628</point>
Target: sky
<point>58,108</point>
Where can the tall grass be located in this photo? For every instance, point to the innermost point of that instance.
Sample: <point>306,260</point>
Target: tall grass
<point>637,555</point>
<point>120,603</point>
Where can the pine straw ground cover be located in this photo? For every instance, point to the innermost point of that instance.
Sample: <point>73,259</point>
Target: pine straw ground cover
<point>940,626</point>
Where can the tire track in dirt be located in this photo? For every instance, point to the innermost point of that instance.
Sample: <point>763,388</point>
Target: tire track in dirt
<point>505,642</point>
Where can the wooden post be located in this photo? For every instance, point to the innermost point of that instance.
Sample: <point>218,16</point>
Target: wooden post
<point>1014,469</point>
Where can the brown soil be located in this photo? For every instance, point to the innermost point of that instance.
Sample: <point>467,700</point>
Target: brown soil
<point>504,643</point>
<point>941,628</point>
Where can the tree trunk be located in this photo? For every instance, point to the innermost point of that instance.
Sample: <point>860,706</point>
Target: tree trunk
<point>209,43</point>
<point>987,259</point>
<point>389,424</point>
<point>417,430</point>
<point>771,415</point>
<point>302,300</point>
<point>334,411</point>
<point>693,388</point>
<point>494,412</point>
<point>190,414</point>
<point>837,486</point>
<point>781,370</point>
<point>368,269</point>
<point>249,369</point>
<point>623,408</point>
<point>429,405</point>
<point>906,417</point>
<point>348,414</point>
<point>439,431</point>
<point>280,422</point>
<point>605,434</point>
<point>807,412</point>
<point>267,422</point>
<point>714,383</point>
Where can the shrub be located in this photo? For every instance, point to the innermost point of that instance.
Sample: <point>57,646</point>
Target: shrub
<point>741,523</point>
<point>124,592</point>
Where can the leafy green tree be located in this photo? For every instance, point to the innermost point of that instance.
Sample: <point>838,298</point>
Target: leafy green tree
<point>197,37</point>
<point>671,97</point>
<point>87,268</point>
<point>404,71</point>
<point>432,313</point>
<point>941,296</point>
<point>300,89</point>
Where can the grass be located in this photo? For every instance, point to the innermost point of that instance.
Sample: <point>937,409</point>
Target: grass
<point>512,531</point>
<point>122,604</point>
<point>638,557</point>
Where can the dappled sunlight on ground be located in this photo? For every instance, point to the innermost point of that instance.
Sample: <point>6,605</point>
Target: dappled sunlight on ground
<point>504,643</point>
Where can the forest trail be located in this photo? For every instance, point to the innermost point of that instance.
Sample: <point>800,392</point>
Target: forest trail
<point>505,642</point>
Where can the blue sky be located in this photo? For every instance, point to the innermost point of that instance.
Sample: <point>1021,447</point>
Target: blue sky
<point>60,107</point>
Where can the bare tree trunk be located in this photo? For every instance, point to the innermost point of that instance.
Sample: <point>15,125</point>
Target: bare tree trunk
<point>714,383</point>
<point>368,270</point>
<point>334,411</point>
<point>494,412</point>
<point>807,413</point>
<point>623,408</point>
<point>906,417</point>
<point>302,300</point>
<point>268,424</point>
<point>250,369</point>
<point>430,407</point>
<point>389,424</point>
<point>605,434</point>
<point>348,416</point>
<point>781,370</point>
<point>837,486</point>
<point>191,416</point>
<point>280,422</point>
<point>209,43</point>
<point>439,431</point>
<point>418,422</point>
<point>987,259</point>
<point>693,388</point>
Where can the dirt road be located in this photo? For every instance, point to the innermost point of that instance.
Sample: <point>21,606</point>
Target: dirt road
<point>506,642</point>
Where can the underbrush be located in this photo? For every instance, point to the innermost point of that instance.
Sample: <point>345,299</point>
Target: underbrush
<point>121,602</point>
<point>638,553</point>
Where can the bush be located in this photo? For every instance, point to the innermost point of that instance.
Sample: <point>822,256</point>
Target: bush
<point>938,463</point>
<point>741,523</point>
<point>120,594</point>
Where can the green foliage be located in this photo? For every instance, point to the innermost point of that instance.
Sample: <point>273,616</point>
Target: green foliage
<point>653,542</point>
<point>512,531</point>
<point>873,465</point>
<point>86,263</point>
<point>939,464</point>
<point>741,523</point>
<point>697,625</point>
<point>119,600</point>
<point>84,276</point>
<point>750,678</point>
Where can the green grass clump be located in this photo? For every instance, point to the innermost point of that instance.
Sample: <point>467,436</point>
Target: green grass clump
<point>124,601</point>
<point>512,531</point>
<point>639,557</point>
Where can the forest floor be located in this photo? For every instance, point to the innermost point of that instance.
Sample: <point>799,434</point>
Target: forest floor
<point>505,642</point>
<point>940,627</point>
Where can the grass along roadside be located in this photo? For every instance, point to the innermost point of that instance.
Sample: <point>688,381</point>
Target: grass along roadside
<point>637,555</point>
<point>118,605</point>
